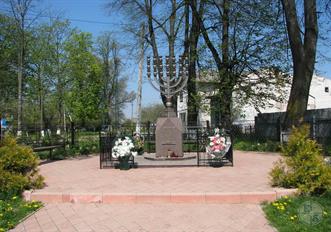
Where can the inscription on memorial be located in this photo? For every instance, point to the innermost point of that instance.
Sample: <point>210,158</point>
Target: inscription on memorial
<point>169,137</point>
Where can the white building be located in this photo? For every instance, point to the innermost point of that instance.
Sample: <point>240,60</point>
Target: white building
<point>319,98</point>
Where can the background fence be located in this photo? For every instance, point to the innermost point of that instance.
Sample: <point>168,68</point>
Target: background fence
<point>263,136</point>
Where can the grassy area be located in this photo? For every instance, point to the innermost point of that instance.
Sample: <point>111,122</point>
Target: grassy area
<point>13,210</point>
<point>294,214</point>
<point>253,145</point>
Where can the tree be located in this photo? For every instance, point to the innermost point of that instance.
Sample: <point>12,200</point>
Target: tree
<point>303,42</point>
<point>8,60</point>
<point>39,62</point>
<point>243,37</point>
<point>150,113</point>
<point>60,33</point>
<point>114,94</point>
<point>20,9</point>
<point>161,25</point>
<point>106,48</point>
<point>85,78</point>
<point>192,35</point>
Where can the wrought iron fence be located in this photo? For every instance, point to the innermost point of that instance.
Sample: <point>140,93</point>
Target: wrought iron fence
<point>195,140</point>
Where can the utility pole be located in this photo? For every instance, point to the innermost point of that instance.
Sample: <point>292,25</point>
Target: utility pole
<point>140,77</point>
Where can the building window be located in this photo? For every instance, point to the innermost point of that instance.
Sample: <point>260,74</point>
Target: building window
<point>326,89</point>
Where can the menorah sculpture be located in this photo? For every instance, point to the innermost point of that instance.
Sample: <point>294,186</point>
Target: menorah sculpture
<point>169,128</point>
<point>172,83</point>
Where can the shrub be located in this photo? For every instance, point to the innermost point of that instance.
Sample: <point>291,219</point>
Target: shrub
<point>88,147</point>
<point>248,145</point>
<point>18,168</point>
<point>302,165</point>
<point>11,183</point>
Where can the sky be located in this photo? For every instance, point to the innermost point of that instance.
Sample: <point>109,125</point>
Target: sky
<point>92,16</point>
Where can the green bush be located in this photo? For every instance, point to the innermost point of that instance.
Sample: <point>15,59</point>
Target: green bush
<point>88,147</point>
<point>248,145</point>
<point>18,168</point>
<point>11,183</point>
<point>302,165</point>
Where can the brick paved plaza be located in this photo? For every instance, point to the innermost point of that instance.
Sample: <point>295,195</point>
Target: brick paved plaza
<point>147,217</point>
<point>154,199</point>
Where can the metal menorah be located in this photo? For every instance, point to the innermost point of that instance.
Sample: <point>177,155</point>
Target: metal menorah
<point>173,82</point>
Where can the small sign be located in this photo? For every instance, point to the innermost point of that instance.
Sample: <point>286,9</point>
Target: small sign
<point>310,212</point>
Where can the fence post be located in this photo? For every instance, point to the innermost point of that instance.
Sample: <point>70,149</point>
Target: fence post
<point>314,127</point>
<point>149,136</point>
<point>279,129</point>
<point>72,134</point>
<point>100,150</point>
<point>0,132</point>
<point>198,147</point>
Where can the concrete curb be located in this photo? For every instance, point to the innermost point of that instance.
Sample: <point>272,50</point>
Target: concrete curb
<point>136,198</point>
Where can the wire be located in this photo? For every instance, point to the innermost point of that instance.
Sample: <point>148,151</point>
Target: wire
<point>72,19</point>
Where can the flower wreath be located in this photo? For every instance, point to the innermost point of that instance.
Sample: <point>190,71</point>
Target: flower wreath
<point>219,144</point>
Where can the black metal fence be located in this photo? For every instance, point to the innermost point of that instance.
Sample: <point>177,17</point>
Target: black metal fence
<point>195,141</point>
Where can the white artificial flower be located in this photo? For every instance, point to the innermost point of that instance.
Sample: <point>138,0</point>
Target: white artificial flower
<point>122,147</point>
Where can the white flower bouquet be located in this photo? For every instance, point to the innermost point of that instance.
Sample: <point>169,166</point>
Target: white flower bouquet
<point>124,147</point>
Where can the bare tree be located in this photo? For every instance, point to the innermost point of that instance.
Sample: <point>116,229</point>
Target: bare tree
<point>169,25</point>
<point>114,94</point>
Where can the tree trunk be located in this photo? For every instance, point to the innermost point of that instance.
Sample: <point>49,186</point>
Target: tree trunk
<point>149,10</point>
<point>171,41</point>
<point>304,55</point>
<point>226,87</point>
<point>192,109</point>
<point>20,85</point>
<point>226,83</point>
<point>140,78</point>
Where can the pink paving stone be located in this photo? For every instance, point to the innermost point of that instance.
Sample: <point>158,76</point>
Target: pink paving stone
<point>119,198</point>
<point>230,197</point>
<point>257,197</point>
<point>187,198</point>
<point>66,197</point>
<point>49,197</point>
<point>150,198</point>
<point>154,217</point>
<point>250,173</point>
<point>85,198</point>
<point>81,180</point>
<point>285,192</point>
<point>27,195</point>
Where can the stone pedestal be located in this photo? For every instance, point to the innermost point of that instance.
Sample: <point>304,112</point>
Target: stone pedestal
<point>169,137</point>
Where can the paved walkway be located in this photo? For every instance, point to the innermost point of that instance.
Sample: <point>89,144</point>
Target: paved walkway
<point>249,174</point>
<point>147,217</point>
<point>156,190</point>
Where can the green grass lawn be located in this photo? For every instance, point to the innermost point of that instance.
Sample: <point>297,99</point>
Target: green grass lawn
<point>15,209</point>
<point>299,214</point>
<point>254,145</point>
